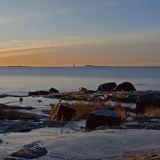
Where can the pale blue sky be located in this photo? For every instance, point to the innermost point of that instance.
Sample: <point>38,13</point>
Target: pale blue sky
<point>114,32</point>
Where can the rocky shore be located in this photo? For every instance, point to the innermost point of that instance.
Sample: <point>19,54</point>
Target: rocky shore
<point>105,111</point>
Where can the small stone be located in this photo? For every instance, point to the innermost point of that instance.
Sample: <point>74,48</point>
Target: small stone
<point>82,89</point>
<point>20,99</point>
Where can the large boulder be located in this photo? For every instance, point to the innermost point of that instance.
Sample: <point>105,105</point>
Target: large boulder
<point>102,118</point>
<point>62,113</point>
<point>30,151</point>
<point>107,87</point>
<point>125,86</point>
<point>151,99</point>
<point>53,90</point>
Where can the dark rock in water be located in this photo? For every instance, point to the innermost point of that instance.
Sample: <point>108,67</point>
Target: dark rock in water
<point>124,96</point>
<point>39,101</point>
<point>19,126</point>
<point>125,86</point>
<point>144,101</point>
<point>127,100</point>
<point>43,92</point>
<point>1,141</point>
<point>143,122</point>
<point>8,158</point>
<point>24,130</point>
<point>3,106</point>
<point>62,113</point>
<point>36,93</point>
<point>30,151</point>
<point>107,87</point>
<point>88,92</point>
<point>20,99</point>
<point>3,95</point>
<point>82,89</point>
<point>53,90</point>
<point>33,93</point>
<point>102,118</point>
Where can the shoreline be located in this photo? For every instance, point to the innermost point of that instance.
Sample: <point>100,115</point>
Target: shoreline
<point>109,145</point>
<point>121,141</point>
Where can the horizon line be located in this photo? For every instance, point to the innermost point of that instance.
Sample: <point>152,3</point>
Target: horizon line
<point>80,66</point>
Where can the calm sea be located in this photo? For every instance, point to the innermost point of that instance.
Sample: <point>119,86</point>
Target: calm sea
<point>24,79</point>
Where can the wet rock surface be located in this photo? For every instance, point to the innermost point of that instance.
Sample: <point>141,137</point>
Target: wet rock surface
<point>4,106</point>
<point>149,99</point>
<point>7,126</point>
<point>8,158</point>
<point>143,122</point>
<point>89,95</point>
<point>32,150</point>
<point>102,118</point>
<point>107,87</point>
<point>125,96</point>
<point>62,113</point>
<point>53,90</point>
<point>37,93</point>
<point>86,95</point>
<point>33,93</point>
<point>125,86</point>
<point>43,92</point>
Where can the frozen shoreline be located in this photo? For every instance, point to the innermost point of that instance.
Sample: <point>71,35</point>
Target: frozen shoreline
<point>104,144</point>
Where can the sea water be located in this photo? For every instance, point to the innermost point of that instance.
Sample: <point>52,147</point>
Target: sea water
<point>20,80</point>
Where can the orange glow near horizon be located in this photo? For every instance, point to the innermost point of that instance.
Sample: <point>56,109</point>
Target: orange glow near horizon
<point>124,50</point>
<point>67,56</point>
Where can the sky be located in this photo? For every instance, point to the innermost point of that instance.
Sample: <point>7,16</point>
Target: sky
<point>80,32</point>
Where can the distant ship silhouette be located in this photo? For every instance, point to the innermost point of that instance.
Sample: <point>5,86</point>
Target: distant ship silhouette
<point>89,65</point>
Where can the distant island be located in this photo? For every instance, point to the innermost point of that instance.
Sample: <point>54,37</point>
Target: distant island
<point>15,66</point>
